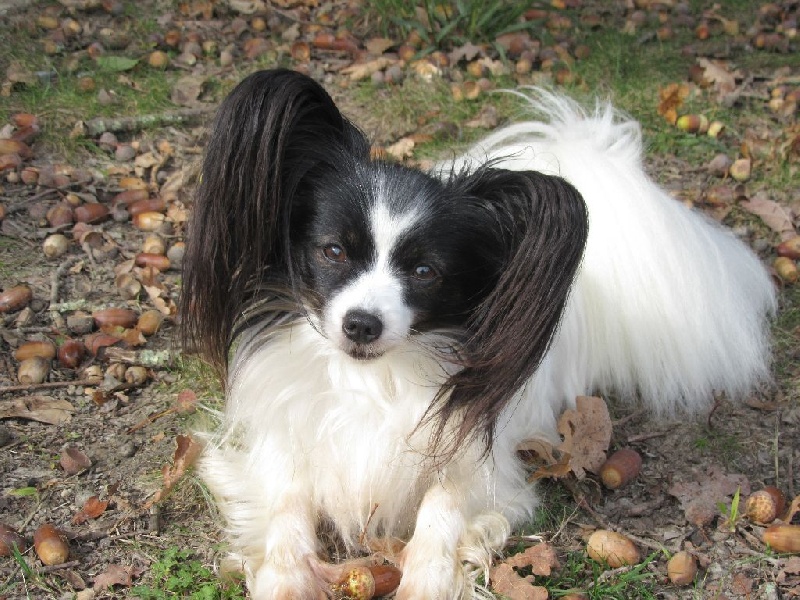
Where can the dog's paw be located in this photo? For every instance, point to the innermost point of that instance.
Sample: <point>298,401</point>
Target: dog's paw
<point>427,576</point>
<point>287,582</point>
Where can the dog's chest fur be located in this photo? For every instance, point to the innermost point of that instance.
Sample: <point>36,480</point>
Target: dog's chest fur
<point>349,425</point>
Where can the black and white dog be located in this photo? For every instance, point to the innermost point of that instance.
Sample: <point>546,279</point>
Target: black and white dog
<point>389,336</point>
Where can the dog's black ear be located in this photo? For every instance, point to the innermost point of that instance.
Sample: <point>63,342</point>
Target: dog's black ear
<point>272,133</point>
<point>541,224</point>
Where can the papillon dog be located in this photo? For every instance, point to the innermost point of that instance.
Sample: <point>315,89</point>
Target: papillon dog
<point>389,336</point>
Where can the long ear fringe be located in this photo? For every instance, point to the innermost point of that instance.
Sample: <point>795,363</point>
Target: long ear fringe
<point>510,331</point>
<point>273,129</point>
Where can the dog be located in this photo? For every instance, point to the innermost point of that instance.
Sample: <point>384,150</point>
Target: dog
<point>389,336</point>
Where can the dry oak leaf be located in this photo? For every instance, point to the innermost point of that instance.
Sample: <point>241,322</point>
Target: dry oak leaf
<point>486,119</point>
<point>723,80</point>
<point>44,409</point>
<point>377,46</point>
<point>586,430</point>
<point>113,575</point>
<point>360,71</point>
<point>402,148</point>
<point>186,453</point>
<point>775,216</point>
<point>507,582</point>
<point>541,558</point>
<point>553,462</point>
<point>670,100</point>
<point>700,499</point>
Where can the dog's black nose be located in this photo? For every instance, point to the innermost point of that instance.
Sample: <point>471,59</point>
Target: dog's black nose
<point>362,327</point>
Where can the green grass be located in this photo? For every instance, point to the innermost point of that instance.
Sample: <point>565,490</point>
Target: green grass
<point>445,24</point>
<point>178,574</point>
<point>579,574</point>
<point>56,94</point>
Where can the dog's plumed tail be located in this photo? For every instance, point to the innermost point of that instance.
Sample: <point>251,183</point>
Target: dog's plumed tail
<point>272,132</point>
<point>668,305</point>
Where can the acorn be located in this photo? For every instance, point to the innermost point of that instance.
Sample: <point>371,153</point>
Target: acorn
<point>366,582</point>
<point>154,244</point>
<point>154,204</point>
<point>60,215</point>
<point>682,568</point>
<point>92,212</point>
<point>783,538</point>
<point>115,317</point>
<point>130,196</point>
<point>135,375</point>
<point>51,545</point>
<point>150,322</point>
<point>789,248</point>
<point>612,548</point>
<point>157,261</point>
<point>148,221</point>
<point>765,505</point>
<point>95,342</point>
<point>620,468</point>
<point>158,59</point>
<point>692,123</point>
<point>786,269</point>
<point>71,353</point>
<point>715,128</point>
<point>740,169</point>
<point>15,298</point>
<point>55,245</point>
<point>9,539</point>
<point>36,348</point>
<point>33,370</point>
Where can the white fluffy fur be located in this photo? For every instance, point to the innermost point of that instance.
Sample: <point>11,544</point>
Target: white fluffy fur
<point>667,305</point>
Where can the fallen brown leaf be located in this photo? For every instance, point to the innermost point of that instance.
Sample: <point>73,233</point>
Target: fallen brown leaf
<point>586,430</point>
<point>700,498</point>
<point>186,453</point>
<point>541,558</point>
<point>507,582</point>
<point>670,100</point>
<point>113,575</point>
<point>44,409</point>
<point>775,216</point>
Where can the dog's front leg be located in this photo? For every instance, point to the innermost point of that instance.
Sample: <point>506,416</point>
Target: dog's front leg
<point>430,562</point>
<point>290,554</point>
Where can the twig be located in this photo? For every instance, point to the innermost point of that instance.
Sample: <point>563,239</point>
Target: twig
<point>646,436</point>
<point>56,276</point>
<point>94,127</point>
<point>29,387</point>
<point>151,419</point>
<point>88,251</point>
<point>622,421</point>
<point>66,565</point>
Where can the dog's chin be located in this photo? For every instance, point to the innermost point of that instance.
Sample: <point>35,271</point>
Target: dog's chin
<point>362,352</point>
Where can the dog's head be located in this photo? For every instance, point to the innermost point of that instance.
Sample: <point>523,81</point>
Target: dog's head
<point>293,216</point>
<point>382,252</point>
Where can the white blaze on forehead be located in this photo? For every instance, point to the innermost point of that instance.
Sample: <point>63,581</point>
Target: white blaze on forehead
<point>378,290</point>
<point>387,229</point>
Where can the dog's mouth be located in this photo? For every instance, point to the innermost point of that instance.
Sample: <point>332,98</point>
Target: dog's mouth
<point>363,352</point>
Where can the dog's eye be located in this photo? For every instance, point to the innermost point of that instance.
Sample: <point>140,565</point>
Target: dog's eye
<point>424,273</point>
<point>334,253</point>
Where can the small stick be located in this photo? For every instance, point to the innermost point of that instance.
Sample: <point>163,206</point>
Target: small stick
<point>29,387</point>
<point>94,127</point>
<point>56,276</point>
<point>66,565</point>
